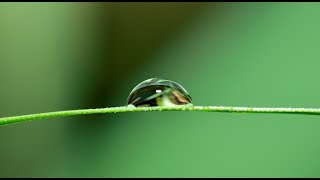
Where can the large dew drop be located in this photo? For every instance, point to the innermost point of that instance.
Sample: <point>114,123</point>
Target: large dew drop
<point>158,92</point>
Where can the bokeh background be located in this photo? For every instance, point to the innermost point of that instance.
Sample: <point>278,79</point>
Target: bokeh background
<point>61,56</point>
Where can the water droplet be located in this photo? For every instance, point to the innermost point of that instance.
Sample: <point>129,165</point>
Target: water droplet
<point>130,106</point>
<point>158,92</point>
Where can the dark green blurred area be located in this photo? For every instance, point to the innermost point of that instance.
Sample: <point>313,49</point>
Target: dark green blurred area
<point>60,56</point>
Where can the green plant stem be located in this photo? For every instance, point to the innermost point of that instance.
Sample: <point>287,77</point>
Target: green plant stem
<point>22,118</point>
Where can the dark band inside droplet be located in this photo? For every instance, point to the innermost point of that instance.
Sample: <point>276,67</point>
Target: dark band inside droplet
<point>140,96</point>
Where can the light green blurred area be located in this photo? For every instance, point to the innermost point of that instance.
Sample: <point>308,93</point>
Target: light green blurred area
<point>58,56</point>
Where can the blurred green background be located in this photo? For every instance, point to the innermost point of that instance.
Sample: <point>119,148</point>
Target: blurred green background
<point>60,56</point>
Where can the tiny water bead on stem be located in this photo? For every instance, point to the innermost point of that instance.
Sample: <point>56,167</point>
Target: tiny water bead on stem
<point>158,95</point>
<point>158,92</point>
